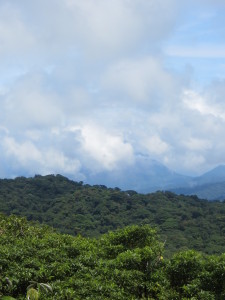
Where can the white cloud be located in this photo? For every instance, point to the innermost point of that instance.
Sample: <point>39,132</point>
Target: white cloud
<point>30,104</point>
<point>191,162</point>
<point>15,37</point>
<point>106,27</point>
<point>143,80</point>
<point>24,152</point>
<point>198,144</point>
<point>156,146</point>
<point>107,150</point>
<point>200,103</point>
<point>40,32</point>
<point>28,157</point>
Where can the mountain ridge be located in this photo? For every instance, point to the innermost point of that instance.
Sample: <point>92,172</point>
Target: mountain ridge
<point>148,176</point>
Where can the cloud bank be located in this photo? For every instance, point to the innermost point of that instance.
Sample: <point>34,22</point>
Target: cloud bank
<point>86,87</point>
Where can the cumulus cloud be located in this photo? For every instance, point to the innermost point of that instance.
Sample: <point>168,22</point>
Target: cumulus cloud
<point>107,150</point>
<point>156,146</point>
<point>26,155</point>
<point>207,103</point>
<point>106,27</point>
<point>30,104</point>
<point>142,80</point>
<point>100,29</point>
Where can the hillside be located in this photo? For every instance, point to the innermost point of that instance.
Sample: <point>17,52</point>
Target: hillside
<point>74,208</point>
<point>125,264</point>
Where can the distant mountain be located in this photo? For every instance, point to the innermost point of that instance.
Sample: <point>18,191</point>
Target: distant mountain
<point>148,176</point>
<point>213,176</point>
<point>144,177</point>
<point>209,191</point>
<point>210,185</point>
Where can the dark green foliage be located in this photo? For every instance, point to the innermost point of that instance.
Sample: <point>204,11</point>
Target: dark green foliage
<point>196,276</point>
<point>184,267</point>
<point>76,267</point>
<point>71,207</point>
<point>123,265</point>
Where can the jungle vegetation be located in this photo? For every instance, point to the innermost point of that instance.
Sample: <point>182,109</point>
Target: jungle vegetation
<point>36,262</point>
<point>183,222</point>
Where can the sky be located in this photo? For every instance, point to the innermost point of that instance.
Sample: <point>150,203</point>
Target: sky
<point>89,86</point>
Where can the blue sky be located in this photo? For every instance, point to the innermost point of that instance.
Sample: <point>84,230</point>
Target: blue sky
<point>87,86</point>
<point>198,43</point>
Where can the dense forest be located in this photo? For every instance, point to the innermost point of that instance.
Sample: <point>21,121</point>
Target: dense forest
<point>38,263</point>
<point>183,222</point>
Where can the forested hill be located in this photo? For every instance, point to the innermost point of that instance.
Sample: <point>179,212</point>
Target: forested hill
<point>125,264</point>
<point>75,208</point>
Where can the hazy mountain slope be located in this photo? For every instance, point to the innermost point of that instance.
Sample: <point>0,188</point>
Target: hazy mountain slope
<point>144,177</point>
<point>213,191</point>
<point>210,186</point>
<point>149,176</point>
<point>213,176</point>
